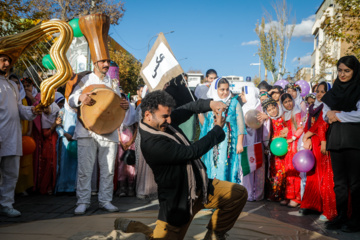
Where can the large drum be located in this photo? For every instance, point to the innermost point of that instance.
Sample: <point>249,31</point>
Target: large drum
<point>106,115</point>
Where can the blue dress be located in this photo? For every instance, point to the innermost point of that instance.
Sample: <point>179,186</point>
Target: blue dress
<point>67,163</point>
<point>221,161</point>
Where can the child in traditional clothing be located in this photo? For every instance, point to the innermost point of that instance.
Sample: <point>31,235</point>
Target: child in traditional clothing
<point>319,192</point>
<point>277,174</point>
<point>47,164</point>
<point>292,117</point>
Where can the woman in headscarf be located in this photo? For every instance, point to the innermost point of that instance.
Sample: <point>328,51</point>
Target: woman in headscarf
<point>219,161</point>
<point>253,181</point>
<point>292,117</point>
<point>342,111</point>
<point>277,174</point>
<point>294,90</point>
<point>319,192</point>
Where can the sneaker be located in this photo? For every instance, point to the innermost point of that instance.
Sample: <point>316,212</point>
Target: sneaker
<point>323,218</point>
<point>81,209</point>
<point>110,208</point>
<point>10,212</point>
<point>213,235</point>
<point>122,192</point>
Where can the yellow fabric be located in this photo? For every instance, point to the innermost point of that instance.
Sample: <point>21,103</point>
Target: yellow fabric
<point>26,175</point>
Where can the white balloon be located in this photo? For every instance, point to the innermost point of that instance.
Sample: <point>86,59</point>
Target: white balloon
<point>251,119</point>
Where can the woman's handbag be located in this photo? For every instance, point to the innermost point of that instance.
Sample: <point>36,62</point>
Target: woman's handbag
<point>129,157</point>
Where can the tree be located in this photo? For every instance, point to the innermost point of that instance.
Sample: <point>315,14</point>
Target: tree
<point>267,47</point>
<point>69,9</point>
<point>256,80</point>
<point>129,70</point>
<point>344,26</point>
<point>275,37</point>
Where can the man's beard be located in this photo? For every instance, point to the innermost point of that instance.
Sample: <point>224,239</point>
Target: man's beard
<point>2,72</point>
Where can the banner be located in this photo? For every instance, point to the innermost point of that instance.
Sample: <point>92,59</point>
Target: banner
<point>160,65</point>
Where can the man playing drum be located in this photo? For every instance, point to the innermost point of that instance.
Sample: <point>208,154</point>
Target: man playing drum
<point>92,146</point>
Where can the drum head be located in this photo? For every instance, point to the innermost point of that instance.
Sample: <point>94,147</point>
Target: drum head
<point>106,115</point>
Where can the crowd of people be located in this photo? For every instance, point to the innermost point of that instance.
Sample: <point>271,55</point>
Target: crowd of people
<point>69,158</point>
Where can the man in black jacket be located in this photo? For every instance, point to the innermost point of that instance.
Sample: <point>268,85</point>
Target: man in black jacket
<point>183,186</point>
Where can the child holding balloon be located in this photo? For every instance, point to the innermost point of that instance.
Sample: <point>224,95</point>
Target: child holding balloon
<point>292,117</point>
<point>319,192</point>
<point>276,191</point>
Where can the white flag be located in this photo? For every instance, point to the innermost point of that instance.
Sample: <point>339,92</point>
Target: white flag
<point>160,65</point>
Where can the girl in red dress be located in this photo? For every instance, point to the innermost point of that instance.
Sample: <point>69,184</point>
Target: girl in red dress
<point>276,179</point>
<point>319,192</point>
<point>292,117</point>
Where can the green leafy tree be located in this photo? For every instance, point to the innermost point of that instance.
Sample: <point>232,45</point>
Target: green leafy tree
<point>344,26</point>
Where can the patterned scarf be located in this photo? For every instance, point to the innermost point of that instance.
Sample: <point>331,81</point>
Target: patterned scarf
<point>189,167</point>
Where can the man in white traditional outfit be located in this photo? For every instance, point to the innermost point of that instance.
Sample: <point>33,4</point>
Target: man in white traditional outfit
<point>92,146</point>
<point>11,111</point>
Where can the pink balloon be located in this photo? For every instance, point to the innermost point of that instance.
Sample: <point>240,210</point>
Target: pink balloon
<point>303,161</point>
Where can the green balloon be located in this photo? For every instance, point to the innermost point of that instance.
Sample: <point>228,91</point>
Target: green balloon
<point>48,63</point>
<point>76,28</point>
<point>279,147</point>
<point>72,149</point>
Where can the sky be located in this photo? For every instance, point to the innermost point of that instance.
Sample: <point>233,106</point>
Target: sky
<point>212,33</point>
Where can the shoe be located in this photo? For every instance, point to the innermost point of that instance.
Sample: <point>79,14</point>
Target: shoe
<point>305,211</point>
<point>110,208</point>
<point>336,223</point>
<point>81,209</point>
<point>350,226</point>
<point>323,218</point>
<point>293,204</point>
<point>284,202</point>
<point>122,192</point>
<point>213,235</point>
<point>10,212</point>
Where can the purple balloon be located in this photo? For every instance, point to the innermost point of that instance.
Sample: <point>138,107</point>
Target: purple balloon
<point>282,83</point>
<point>303,161</point>
<point>305,87</point>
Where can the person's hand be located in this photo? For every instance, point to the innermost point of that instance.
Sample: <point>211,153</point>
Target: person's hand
<point>262,117</point>
<point>308,144</point>
<point>58,121</point>
<point>47,110</point>
<point>323,148</point>
<point>37,110</point>
<point>86,99</point>
<point>68,136</point>
<point>331,115</point>
<point>290,140</point>
<point>217,106</point>
<point>219,119</point>
<point>124,104</point>
<point>284,132</point>
<point>239,148</point>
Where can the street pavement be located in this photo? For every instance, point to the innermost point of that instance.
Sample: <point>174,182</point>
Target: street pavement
<point>37,207</point>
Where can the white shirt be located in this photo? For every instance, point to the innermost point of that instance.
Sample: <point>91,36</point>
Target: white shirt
<point>11,111</point>
<point>80,131</point>
<point>353,116</point>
